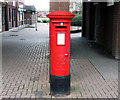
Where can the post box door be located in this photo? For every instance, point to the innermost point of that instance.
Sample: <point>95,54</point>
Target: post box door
<point>60,51</point>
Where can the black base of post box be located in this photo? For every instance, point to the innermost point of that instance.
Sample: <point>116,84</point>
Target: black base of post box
<point>59,85</point>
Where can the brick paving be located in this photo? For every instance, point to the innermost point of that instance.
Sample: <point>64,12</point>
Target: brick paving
<point>25,69</point>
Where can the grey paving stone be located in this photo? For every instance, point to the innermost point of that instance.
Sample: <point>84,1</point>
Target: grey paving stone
<point>25,68</point>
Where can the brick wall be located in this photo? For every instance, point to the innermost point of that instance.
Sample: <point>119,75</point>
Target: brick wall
<point>59,6</point>
<point>116,31</point>
<point>108,27</point>
<point>9,24</point>
<point>118,38</point>
<point>86,19</point>
<point>16,17</point>
<point>28,16</point>
<point>99,26</point>
<point>0,17</point>
<point>7,17</point>
<point>102,24</point>
<point>3,28</point>
<point>108,30</point>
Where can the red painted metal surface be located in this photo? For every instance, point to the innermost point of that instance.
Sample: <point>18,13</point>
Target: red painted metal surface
<point>11,13</point>
<point>60,22</point>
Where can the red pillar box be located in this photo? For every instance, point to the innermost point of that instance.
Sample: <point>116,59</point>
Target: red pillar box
<point>60,22</point>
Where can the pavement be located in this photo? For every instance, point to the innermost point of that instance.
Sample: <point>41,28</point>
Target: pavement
<point>25,66</point>
<point>103,61</point>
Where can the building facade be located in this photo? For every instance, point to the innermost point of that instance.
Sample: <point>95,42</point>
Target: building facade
<point>57,5</point>
<point>75,6</point>
<point>12,13</point>
<point>20,12</point>
<point>0,17</point>
<point>101,23</point>
<point>9,15</point>
<point>30,15</point>
<point>3,15</point>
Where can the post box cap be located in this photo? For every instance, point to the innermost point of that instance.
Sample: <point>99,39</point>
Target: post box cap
<point>60,14</point>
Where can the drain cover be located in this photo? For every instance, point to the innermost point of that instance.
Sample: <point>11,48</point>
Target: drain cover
<point>22,39</point>
<point>13,35</point>
<point>34,79</point>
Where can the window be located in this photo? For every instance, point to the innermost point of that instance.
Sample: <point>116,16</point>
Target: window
<point>3,15</point>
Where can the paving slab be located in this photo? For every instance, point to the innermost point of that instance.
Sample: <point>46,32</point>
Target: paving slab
<point>25,68</point>
<point>103,61</point>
